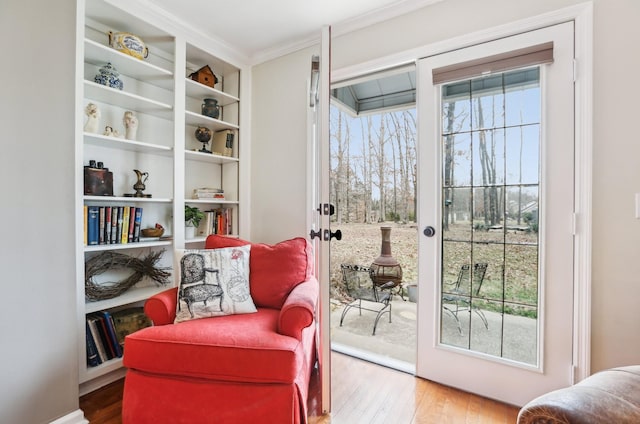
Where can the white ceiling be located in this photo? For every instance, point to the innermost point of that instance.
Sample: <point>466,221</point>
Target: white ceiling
<point>260,29</point>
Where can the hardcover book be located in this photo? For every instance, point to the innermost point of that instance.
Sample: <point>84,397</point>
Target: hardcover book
<point>93,225</point>
<point>132,219</point>
<point>95,333</point>
<point>137,223</point>
<point>111,333</point>
<point>125,225</point>
<point>92,351</point>
<point>222,143</point>
<point>114,225</point>
<point>129,321</point>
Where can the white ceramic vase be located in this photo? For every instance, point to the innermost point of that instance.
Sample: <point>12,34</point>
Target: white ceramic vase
<point>189,232</point>
<point>93,118</point>
<point>130,125</point>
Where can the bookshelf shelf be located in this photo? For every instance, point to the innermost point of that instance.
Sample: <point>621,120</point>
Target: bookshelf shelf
<point>127,100</point>
<point>125,246</point>
<point>198,120</point>
<point>210,202</point>
<point>133,295</point>
<point>208,157</point>
<point>91,373</point>
<point>196,90</point>
<point>98,140</point>
<point>128,200</point>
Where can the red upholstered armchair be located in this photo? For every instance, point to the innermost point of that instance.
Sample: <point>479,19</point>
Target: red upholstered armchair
<point>248,368</point>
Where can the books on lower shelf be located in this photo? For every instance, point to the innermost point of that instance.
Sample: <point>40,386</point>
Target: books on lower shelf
<point>112,224</point>
<point>216,221</point>
<point>105,333</point>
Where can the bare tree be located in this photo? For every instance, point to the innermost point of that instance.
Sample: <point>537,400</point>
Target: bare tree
<point>449,138</point>
<point>487,155</point>
<point>378,152</point>
<point>383,159</point>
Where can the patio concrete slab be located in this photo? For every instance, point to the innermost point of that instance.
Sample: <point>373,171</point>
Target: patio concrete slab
<point>398,340</point>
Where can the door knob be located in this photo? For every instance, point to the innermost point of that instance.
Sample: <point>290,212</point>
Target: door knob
<point>314,234</point>
<point>328,235</point>
<point>429,231</point>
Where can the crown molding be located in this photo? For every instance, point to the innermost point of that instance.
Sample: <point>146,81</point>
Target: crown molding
<point>226,51</point>
<point>344,27</point>
<point>164,19</point>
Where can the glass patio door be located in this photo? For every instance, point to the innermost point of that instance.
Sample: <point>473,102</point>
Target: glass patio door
<point>496,208</point>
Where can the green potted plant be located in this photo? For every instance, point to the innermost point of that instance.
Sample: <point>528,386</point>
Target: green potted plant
<point>192,218</point>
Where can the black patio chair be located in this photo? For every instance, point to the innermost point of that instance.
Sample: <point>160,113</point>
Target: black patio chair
<point>465,288</point>
<point>360,288</point>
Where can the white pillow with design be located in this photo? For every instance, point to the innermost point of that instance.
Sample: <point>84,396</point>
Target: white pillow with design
<point>213,282</point>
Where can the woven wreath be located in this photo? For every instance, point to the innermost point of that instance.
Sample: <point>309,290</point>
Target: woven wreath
<point>109,260</point>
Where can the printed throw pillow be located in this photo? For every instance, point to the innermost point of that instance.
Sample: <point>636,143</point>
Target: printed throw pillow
<point>213,282</point>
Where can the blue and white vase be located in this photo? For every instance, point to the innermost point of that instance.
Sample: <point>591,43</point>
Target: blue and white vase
<point>109,76</point>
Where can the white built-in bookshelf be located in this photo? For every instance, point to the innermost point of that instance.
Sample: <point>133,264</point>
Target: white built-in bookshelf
<point>167,104</point>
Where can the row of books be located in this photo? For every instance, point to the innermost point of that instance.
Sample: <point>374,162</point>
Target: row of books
<point>216,221</point>
<point>111,224</point>
<point>105,333</point>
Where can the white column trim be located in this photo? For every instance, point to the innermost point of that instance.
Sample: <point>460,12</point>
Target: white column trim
<point>584,190</point>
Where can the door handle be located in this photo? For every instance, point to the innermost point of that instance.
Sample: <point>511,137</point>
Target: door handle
<point>429,231</point>
<point>314,234</point>
<point>328,235</point>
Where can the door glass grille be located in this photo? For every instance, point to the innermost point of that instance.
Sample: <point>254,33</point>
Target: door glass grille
<point>490,214</point>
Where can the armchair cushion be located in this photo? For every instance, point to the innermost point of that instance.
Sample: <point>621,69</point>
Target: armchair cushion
<point>227,348</point>
<point>213,282</point>
<point>275,269</point>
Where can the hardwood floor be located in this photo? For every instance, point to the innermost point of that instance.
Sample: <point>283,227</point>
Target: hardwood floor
<point>362,392</point>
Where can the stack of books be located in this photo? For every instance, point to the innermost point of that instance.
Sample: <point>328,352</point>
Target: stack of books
<point>208,193</point>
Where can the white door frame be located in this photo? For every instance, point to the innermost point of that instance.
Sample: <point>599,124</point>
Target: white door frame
<point>318,193</point>
<point>582,15</point>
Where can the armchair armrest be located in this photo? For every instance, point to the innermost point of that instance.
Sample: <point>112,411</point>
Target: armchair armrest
<point>161,308</point>
<point>298,311</point>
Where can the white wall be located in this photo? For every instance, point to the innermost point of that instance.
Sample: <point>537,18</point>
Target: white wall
<point>39,361</point>
<point>616,232</point>
<point>278,130</point>
<point>279,147</point>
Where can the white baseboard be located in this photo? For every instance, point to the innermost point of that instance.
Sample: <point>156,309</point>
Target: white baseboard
<point>76,417</point>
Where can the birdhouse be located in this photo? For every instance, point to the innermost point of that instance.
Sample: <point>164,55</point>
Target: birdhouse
<point>204,76</point>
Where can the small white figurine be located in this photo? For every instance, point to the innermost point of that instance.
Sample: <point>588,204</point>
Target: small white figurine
<point>93,117</point>
<point>111,132</point>
<point>130,125</point>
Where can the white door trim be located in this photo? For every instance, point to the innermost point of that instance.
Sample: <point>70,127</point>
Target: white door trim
<point>582,15</point>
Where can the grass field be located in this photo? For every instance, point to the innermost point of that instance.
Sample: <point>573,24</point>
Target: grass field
<point>516,262</point>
